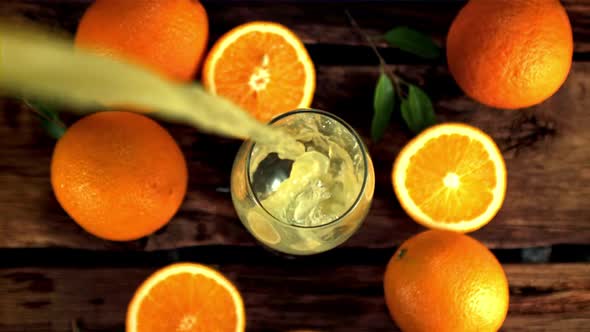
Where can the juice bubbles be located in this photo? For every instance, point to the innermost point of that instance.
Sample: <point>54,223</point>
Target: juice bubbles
<point>309,196</point>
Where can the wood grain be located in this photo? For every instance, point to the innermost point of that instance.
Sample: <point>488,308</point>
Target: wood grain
<point>547,151</point>
<point>546,148</point>
<point>282,297</point>
<point>315,22</point>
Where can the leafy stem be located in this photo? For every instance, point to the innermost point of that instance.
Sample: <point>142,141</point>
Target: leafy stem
<point>385,68</point>
<point>415,105</point>
<point>49,117</point>
<point>44,115</point>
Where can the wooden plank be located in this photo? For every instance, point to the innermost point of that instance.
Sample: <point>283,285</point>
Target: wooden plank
<point>315,22</point>
<point>207,217</point>
<point>547,150</point>
<point>283,297</point>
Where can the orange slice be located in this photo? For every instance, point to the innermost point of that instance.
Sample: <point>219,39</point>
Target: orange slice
<point>186,297</point>
<point>263,67</point>
<point>452,177</point>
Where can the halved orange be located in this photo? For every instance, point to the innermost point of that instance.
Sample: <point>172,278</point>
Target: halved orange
<point>186,297</point>
<point>452,177</point>
<point>263,67</point>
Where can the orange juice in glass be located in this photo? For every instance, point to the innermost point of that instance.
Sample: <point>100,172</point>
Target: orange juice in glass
<point>310,197</point>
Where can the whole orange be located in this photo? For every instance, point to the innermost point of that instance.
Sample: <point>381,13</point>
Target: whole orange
<point>168,36</point>
<point>119,175</point>
<point>445,281</point>
<point>510,53</point>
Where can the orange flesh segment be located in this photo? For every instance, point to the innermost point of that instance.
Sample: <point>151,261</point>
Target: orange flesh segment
<point>244,57</point>
<point>462,156</point>
<point>177,304</point>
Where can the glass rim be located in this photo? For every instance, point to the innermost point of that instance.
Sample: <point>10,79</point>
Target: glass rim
<point>364,154</point>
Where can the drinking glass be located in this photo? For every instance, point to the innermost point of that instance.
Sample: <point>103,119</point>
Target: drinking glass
<point>318,214</point>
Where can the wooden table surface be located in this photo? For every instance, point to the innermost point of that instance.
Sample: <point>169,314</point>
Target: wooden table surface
<point>53,273</point>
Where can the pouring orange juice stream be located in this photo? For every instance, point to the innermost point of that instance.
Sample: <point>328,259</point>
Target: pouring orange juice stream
<point>34,63</point>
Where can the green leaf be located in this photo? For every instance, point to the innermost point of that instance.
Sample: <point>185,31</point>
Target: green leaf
<point>412,41</point>
<point>48,114</point>
<point>383,103</point>
<point>417,110</point>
